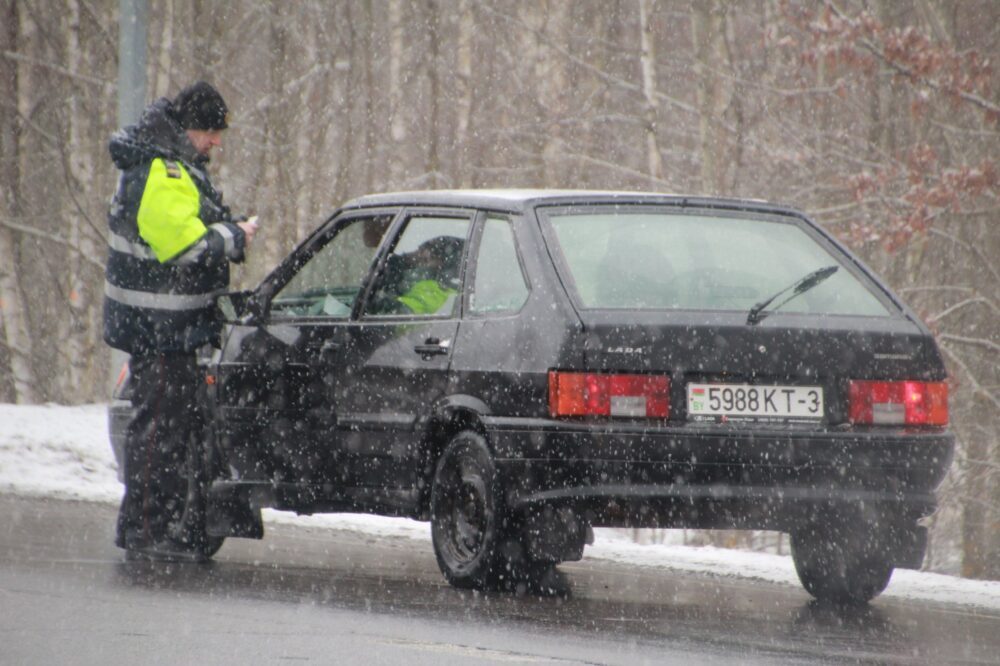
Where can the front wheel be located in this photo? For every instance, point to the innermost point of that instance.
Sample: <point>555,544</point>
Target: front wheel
<point>190,530</point>
<point>839,565</point>
<point>466,513</point>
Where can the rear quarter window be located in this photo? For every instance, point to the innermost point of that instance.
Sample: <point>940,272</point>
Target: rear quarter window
<point>499,284</point>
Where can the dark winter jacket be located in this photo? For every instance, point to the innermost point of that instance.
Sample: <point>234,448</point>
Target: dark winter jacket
<point>170,243</point>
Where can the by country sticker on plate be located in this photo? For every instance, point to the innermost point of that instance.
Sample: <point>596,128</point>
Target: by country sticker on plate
<point>722,402</point>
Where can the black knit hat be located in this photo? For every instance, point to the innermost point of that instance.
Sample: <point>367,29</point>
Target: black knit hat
<point>201,107</point>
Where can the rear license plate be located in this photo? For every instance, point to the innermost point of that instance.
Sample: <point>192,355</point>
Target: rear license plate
<point>746,402</point>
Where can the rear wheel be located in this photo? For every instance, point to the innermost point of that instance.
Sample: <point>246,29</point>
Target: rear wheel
<point>467,514</point>
<point>838,564</point>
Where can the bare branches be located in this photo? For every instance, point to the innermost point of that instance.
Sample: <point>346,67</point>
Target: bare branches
<point>897,53</point>
<point>961,304</point>
<point>51,238</point>
<point>978,388</point>
<point>597,71</point>
<point>107,84</point>
<point>975,250</point>
<point>571,155</point>
<point>975,342</point>
<point>943,287</point>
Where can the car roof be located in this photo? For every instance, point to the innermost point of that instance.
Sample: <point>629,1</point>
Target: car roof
<point>519,200</point>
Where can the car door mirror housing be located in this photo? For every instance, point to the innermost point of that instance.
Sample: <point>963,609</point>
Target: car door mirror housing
<point>238,306</point>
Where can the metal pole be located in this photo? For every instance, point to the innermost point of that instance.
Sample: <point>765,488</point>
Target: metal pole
<point>132,19</point>
<point>131,60</point>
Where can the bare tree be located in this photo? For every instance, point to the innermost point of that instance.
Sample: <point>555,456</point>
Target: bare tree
<point>708,23</point>
<point>647,59</point>
<point>17,340</point>
<point>79,328</point>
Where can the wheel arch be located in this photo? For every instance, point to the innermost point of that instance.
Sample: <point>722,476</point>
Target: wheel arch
<point>450,416</point>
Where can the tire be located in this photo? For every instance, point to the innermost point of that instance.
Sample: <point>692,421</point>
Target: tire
<point>202,543</point>
<point>837,565</point>
<point>190,529</point>
<point>467,516</point>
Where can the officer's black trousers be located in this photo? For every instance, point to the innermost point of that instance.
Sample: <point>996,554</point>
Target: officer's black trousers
<point>168,423</point>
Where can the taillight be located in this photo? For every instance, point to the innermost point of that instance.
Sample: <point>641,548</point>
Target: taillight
<point>598,394</point>
<point>901,403</point>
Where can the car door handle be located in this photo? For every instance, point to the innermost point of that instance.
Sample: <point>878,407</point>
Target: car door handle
<point>433,346</point>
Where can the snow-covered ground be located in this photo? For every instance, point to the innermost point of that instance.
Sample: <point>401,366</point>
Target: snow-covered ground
<point>63,452</point>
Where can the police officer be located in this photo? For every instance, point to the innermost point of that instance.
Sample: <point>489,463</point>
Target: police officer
<point>171,242</point>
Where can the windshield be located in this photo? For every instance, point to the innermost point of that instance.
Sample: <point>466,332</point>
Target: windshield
<point>330,280</point>
<point>661,260</point>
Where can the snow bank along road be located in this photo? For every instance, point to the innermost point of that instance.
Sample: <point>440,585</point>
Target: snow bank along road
<point>63,453</point>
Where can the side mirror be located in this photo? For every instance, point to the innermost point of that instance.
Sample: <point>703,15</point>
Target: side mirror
<point>237,307</point>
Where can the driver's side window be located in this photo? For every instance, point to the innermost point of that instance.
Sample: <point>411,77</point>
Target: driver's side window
<point>329,282</point>
<point>421,274</point>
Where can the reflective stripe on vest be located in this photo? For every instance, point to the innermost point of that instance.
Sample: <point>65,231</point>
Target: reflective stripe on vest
<point>145,299</point>
<point>192,255</point>
<point>125,246</point>
<point>227,236</point>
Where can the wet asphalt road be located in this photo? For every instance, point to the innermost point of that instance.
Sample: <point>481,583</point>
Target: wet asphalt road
<point>338,597</point>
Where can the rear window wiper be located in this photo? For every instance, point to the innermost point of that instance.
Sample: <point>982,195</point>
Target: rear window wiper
<point>758,312</point>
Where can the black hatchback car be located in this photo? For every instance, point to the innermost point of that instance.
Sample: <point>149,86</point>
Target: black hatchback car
<point>518,367</point>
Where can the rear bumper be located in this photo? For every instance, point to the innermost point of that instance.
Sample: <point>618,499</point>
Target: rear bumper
<point>718,476</point>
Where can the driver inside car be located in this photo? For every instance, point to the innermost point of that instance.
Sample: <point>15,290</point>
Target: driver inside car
<point>424,281</point>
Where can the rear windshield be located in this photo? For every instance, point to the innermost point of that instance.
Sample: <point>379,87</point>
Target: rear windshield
<point>666,260</point>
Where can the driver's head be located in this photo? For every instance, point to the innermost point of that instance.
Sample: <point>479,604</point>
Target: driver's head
<point>441,255</point>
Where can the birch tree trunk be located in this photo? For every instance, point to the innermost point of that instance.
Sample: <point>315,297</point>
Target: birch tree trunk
<point>76,323</point>
<point>368,66</point>
<point>342,92</point>
<point>162,84</point>
<point>304,110</point>
<point>12,317</point>
<point>551,79</point>
<point>281,204</point>
<point>708,21</point>
<point>647,59</point>
<point>432,159</point>
<point>398,131</point>
<point>463,140</point>
<point>13,314</point>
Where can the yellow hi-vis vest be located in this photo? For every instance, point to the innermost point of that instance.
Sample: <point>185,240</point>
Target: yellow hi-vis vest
<point>168,212</point>
<point>426,297</point>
